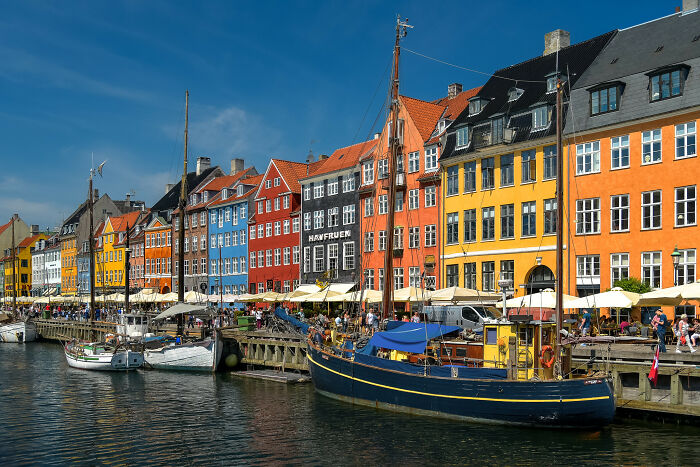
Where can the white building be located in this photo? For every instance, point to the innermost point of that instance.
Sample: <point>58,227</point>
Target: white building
<point>46,267</point>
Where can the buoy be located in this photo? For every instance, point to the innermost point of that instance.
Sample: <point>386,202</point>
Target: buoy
<point>232,360</point>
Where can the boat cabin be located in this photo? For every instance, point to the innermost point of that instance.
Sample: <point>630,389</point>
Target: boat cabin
<point>132,326</point>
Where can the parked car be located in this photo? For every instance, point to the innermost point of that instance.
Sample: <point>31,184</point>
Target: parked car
<point>470,317</point>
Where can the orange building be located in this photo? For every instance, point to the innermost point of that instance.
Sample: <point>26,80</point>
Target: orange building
<point>158,255</point>
<point>633,165</point>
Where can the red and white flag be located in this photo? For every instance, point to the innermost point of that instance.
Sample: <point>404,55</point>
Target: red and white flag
<point>654,372</point>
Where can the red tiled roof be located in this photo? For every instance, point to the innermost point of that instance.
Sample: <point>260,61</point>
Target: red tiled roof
<point>119,223</point>
<point>344,157</point>
<point>425,115</point>
<point>5,226</point>
<point>28,241</point>
<point>252,180</point>
<point>457,104</point>
<point>293,171</point>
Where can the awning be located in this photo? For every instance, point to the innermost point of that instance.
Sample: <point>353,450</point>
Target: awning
<point>185,308</point>
<point>407,337</point>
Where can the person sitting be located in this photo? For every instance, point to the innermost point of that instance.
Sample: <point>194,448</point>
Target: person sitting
<point>696,332</point>
<point>623,326</point>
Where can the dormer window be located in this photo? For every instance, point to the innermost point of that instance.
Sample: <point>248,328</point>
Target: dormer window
<point>605,98</point>
<point>240,190</point>
<point>476,105</point>
<point>194,198</point>
<point>205,196</point>
<point>224,193</point>
<point>462,137</point>
<point>540,118</point>
<point>667,83</point>
<point>552,81</point>
<point>514,94</point>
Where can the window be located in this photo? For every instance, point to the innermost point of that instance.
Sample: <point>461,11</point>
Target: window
<point>620,152</point>
<point>508,270</point>
<point>604,100</point>
<point>588,158</point>
<point>587,216</point>
<point>507,171</point>
<point>666,85</point>
<point>227,240</point>
<point>268,229</point>
<point>194,219</point>
<point>278,257</point>
<point>414,237</point>
<point>462,136</point>
<point>398,202</point>
<point>268,183</point>
<point>260,206</point>
<point>488,282</point>
<point>348,256</point>
<point>430,196</point>
<point>413,199</point>
<point>278,228</point>
<point>430,235</point>
<point>307,221</point>
<point>307,196</point>
<point>685,206</point>
<point>295,254</point>
<point>588,270</point>
<point>529,227</point>
<point>382,240</point>
<point>507,221</point>
<point>470,176</point>
<point>369,206</point>
<point>529,166</point>
<point>651,146</point>
<point>619,213</point>
<point>349,214</point>
<point>651,268</point>
<point>651,209</point>
<point>431,159</point>
<point>414,277</point>
<point>398,238</point>
<point>285,205</point>
<point>413,161</point>
<point>452,180</point>
<point>318,219</point>
<point>368,173</point>
<point>187,245</point>
<point>469,276</point>
<point>619,267</point>
<point>277,204</point>
<point>333,187</point>
<point>452,228</point>
<point>487,178</point>
<point>333,217</point>
<point>307,258</point>
<point>277,181</point>
<point>295,225</point>
<point>369,279</point>
<point>398,278</point>
<point>540,118</point>
<point>319,262</point>
<point>285,229</point>
<point>369,242</point>
<point>348,183</point>
<point>399,133</point>
<point>685,140</point>
<point>383,204</point>
<point>685,273</point>
<point>488,223</point>
<point>452,275</point>
<point>469,225</point>
<point>268,258</point>
<point>261,231</point>
<point>252,260</point>
<point>318,190</point>
<point>550,163</point>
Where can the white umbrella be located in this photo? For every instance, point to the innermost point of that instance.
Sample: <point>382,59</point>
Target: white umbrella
<point>543,299</point>
<point>367,296</point>
<point>169,297</point>
<point>195,297</point>
<point>672,295</point>
<point>317,297</point>
<point>411,294</point>
<point>458,294</point>
<point>615,298</point>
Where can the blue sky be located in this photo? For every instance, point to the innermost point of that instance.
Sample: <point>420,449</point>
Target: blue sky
<point>265,79</point>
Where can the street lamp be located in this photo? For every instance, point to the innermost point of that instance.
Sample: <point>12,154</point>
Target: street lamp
<point>676,257</point>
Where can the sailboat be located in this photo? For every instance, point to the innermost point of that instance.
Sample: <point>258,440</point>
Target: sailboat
<point>99,355</point>
<point>199,355</point>
<point>410,367</point>
<point>19,330</point>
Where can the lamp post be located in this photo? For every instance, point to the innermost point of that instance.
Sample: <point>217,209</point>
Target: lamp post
<point>676,257</point>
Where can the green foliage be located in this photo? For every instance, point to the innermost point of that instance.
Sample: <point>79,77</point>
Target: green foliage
<point>633,285</point>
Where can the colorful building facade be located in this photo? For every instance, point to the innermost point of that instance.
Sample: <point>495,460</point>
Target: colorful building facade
<point>157,270</point>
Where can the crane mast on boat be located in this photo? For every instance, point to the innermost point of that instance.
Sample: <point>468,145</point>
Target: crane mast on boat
<point>181,231</point>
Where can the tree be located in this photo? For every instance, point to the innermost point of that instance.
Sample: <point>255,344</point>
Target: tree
<point>633,284</point>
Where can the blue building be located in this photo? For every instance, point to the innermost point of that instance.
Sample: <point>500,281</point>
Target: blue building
<point>228,214</point>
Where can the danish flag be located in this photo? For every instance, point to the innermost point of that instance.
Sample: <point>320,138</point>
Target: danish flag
<point>654,372</point>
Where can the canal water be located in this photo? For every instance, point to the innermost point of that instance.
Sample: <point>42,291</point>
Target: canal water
<point>51,415</point>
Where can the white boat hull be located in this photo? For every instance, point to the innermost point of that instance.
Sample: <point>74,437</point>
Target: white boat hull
<point>203,356</point>
<point>18,332</point>
<point>120,360</point>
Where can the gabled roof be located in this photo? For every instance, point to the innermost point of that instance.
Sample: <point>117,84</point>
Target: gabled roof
<point>29,240</point>
<point>120,223</point>
<point>454,106</point>
<point>5,226</point>
<point>425,115</point>
<point>343,158</point>
<point>252,182</point>
<point>170,200</point>
<point>291,172</point>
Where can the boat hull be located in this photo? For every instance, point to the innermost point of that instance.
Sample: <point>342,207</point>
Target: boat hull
<point>186,357</point>
<point>19,332</point>
<point>109,361</point>
<point>575,403</point>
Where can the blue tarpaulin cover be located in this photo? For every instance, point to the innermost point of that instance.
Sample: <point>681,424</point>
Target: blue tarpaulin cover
<point>407,337</point>
<point>279,312</point>
<point>442,371</point>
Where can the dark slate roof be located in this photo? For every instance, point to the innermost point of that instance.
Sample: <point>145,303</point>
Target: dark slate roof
<point>633,50</point>
<point>574,59</point>
<point>171,198</point>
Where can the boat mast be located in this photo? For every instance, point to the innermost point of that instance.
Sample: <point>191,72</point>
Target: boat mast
<point>559,286</point>
<point>181,232</point>
<point>388,298</point>
<point>92,254</point>
<point>14,272</point>
<point>126,271</point>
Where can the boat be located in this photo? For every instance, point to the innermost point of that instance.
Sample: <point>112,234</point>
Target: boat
<point>101,356</point>
<point>19,331</point>
<point>516,372</point>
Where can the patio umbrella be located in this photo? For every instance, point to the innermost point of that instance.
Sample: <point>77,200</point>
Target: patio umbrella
<point>544,299</point>
<point>169,297</point>
<point>458,294</point>
<point>615,298</point>
<point>411,294</point>
<point>195,297</point>
<point>672,295</point>
<point>317,297</point>
<point>367,296</point>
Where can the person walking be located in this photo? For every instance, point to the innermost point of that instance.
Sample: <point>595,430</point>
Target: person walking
<point>660,322</point>
<point>370,322</point>
<point>682,334</point>
<point>258,318</point>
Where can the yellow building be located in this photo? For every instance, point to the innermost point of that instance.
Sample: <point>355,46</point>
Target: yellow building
<point>69,268</point>
<point>23,266</point>
<point>110,252</point>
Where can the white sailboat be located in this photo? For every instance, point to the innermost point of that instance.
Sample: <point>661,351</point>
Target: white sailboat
<point>101,357</point>
<point>20,332</point>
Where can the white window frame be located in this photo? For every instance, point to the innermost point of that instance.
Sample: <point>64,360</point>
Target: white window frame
<point>369,206</point>
<point>383,204</point>
<point>622,211</point>
<point>681,206</point>
<point>332,187</point>
<point>652,147</point>
<point>686,132</point>
<point>348,256</point>
<point>619,150</point>
<point>649,260</point>
<point>413,161</point>
<point>349,214</point>
<point>431,159</point>
<point>649,208</point>
<point>368,172</point>
<point>430,196</point>
<point>348,183</point>
<point>588,155</point>
<point>414,198</point>
<point>587,213</point>
<point>430,232</point>
<point>619,263</point>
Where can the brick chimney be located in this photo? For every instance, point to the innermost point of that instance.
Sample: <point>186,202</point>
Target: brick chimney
<point>168,187</point>
<point>34,229</point>
<point>453,89</point>
<point>323,157</point>
<point>556,40</point>
<point>127,201</point>
<point>203,163</point>
<point>237,165</point>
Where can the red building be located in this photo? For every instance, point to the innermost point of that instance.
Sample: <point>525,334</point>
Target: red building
<point>274,227</point>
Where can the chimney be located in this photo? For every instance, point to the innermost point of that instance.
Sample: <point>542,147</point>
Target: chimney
<point>310,157</point>
<point>168,187</point>
<point>203,163</point>
<point>237,165</point>
<point>377,135</point>
<point>15,216</point>
<point>556,40</point>
<point>127,201</point>
<point>34,229</point>
<point>690,5</point>
<point>453,89</point>
<point>323,157</point>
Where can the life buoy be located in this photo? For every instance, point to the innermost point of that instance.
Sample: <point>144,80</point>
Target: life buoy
<point>550,362</point>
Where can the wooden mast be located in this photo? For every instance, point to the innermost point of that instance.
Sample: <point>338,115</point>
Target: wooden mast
<point>388,297</point>
<point>91,235</point>
<point>181,231</point>
<point>127,267</point>
<point>14,272</point>
<point>559,286</point>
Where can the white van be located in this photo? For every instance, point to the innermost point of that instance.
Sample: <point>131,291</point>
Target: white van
<point>471,317</point>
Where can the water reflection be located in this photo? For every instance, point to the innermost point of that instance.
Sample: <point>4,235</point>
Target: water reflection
<point>56,414</point>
